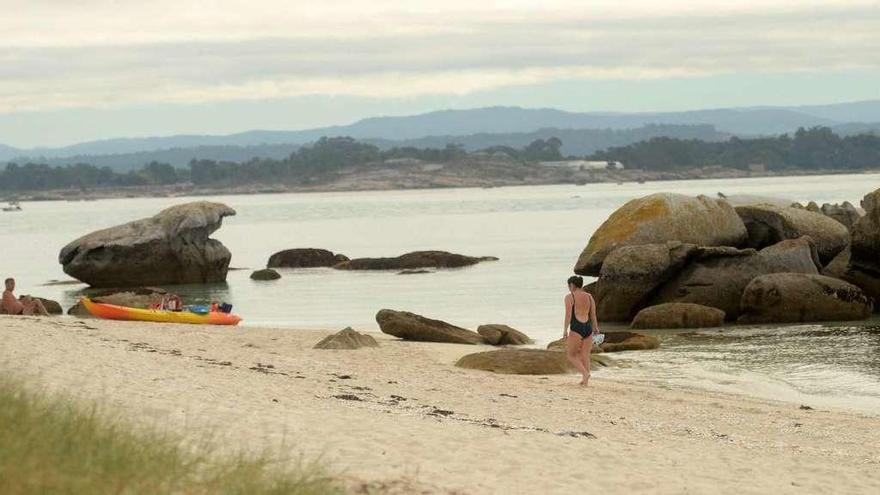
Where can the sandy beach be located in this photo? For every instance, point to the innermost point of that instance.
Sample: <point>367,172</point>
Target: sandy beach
<point>402,419</point>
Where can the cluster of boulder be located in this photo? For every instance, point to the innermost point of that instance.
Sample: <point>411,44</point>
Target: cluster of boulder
<point>670,260</point>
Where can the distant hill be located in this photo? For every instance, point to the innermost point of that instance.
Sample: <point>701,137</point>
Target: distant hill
<point>577,142</point>
<point>471,125</point>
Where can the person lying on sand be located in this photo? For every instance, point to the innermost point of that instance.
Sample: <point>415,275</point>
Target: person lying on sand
<point>27,306</point>
<point>579,327</point>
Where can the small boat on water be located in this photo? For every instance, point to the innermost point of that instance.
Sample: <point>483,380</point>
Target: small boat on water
<point>13,206</point>
<point>114,312</point>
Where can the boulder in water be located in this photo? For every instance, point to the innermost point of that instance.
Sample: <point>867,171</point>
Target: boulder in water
<point>767,225</point>
<point>410,326</point>
<point>347,338</point>
<point>265,274</point>
<point>172,247</point>
<point>305,258</point>
<point>659,218</point>
<point>800,297</point>
<point>678,315</point>
<point>414,260</point>
<point>496,334</point>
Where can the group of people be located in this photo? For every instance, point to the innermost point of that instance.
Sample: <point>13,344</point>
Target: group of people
<point>26,305</point>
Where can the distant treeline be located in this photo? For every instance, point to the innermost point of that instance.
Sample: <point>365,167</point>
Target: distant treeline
<point>815,148</point>
<point>808,149</point>
<point>306,165</point>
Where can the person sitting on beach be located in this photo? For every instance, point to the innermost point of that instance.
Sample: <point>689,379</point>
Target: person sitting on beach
<point>579,326</point>
<point>27,306</point>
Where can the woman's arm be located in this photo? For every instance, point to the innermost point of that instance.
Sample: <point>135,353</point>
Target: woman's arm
<point>593,316</point>
<point>567,316</point>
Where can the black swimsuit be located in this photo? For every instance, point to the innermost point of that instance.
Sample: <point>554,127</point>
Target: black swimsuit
<point>582,328</point>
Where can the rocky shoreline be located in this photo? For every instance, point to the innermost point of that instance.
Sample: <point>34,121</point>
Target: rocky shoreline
<point>407,178</point>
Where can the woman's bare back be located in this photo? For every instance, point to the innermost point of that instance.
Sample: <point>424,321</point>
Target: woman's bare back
<point>582,303</point>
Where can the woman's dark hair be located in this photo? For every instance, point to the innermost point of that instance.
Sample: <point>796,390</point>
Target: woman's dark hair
<point>576,281</point>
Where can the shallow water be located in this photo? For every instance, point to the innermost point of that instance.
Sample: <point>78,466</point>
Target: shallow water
<point>537,232</point>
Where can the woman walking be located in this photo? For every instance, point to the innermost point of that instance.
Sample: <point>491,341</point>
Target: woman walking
<point>579,327</point>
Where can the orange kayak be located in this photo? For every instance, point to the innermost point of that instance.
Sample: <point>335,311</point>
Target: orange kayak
<point>113,312</point>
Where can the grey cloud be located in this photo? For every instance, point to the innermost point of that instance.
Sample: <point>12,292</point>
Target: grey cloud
<point>829,38</point>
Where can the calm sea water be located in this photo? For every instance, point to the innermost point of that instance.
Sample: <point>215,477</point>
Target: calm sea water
<point>537,232</point>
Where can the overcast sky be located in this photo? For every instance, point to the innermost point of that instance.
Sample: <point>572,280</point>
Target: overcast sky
<point>73,70</point>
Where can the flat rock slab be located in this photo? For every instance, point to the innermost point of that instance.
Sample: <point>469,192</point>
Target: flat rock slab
<point>414,261</point>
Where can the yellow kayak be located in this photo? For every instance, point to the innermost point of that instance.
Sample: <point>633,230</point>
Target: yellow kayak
<point>113,312</point>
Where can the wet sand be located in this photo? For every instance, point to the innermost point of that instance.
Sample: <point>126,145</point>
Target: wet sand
<point>401,418</point>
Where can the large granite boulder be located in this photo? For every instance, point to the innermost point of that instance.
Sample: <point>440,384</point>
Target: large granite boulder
<point>800,297</point>
<point>717,277</point>
<point>864,263</point>
<point>305,258</point>
<point>414,260</point>
<point>410,326</point>
<point>141,298</point>
<point>845,213</point>
<point>172,247</point>
<point>523,362</point>
<point>767,225</point>
<point>678,315</point>
<point>630,275</point>
<point>497,334</point>
<point>659,218</point>
<point>347,338</point>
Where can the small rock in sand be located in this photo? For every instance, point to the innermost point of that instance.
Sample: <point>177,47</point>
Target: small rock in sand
<point>346,339</point>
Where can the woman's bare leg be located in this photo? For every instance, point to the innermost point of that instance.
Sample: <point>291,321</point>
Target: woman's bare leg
<point>573,353</point>
<point>585,351</point>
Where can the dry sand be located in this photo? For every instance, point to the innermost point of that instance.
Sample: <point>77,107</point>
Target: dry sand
<point>421,425</point>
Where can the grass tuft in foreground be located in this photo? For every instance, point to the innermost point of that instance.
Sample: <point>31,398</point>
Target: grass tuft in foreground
<point>55,445</point>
